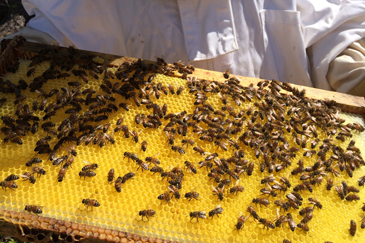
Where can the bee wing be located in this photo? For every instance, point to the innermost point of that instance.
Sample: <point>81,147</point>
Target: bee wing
<point>276,182</point>
<point>24,176</point>
<point>215,189</point>
<point>86,162</point>
<point>238,182</point>
<point>217,161</point>
<point>169,187</point>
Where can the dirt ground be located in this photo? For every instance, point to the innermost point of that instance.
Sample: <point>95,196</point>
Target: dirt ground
<point>13,17</point>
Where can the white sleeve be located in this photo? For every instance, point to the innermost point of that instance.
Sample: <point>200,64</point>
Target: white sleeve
<point>328,28</point>
<point>347,70</point>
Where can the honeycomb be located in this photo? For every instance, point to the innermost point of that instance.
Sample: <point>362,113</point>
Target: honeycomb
<point>120,211</point>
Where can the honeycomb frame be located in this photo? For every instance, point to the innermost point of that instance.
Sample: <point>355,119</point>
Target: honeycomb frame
<point>259,234</point>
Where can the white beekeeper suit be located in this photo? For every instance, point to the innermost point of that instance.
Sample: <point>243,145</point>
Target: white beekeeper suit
<point>307,42</point>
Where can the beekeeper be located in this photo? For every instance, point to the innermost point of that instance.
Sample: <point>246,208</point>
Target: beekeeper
<point>317,43</point>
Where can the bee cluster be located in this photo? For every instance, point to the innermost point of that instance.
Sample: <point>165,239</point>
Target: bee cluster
<point>261,130</point>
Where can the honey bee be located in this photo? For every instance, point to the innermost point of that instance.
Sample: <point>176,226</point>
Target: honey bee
<point>129,155</point>
<point>315,202</point>
<point>232,174</point>
<point>314,143</point>
<point>153,160</point>
<point>8,184</point>
<point>340,192</point>
<point>11,177</point>
<point>142,165</point>
<point>268,179</point>
<point>38,170</point>
<point>252,212</point>
<point>241,221</point>
<point>293,198</point>
<point>175,191</point>
<point>214,176</point>
<point>317,180</point>
<point>33,209</point>
<point>224,182</point>
<point>188,142</point>
<point>144,146</point>
<point>33,161</point>
<point>219,192</point>
<point>127,177</point>
<point>306,210</point>
<point>61,174</point>
<point>261,201</point>
<point>135,136</point>
<point>170,138</point>
<point>285,181</point>
<point>190,167</point>
<point>216,211</point>
<point>352,228</point>
<point>87,173</point>
<point>302,187</point>
<point>30,72</point>
<point>333,171</point>
<point>171,88</point>
<point>157,169</point>
<point>90,203</point>
<point>268,224</point>
<point>303,226</point>
<point>352,197</point>
<point>291,222</point>
<point>329,184</point>
<point>268,191</point>
<point>309,153</point>
<point>180,90</point>
<point>199,150</point>
<point>236,188</point>
<point>164,197</point>
<point>282,205</point>
<point>307,217</point>
<point>118,184</point>
<point>207,138</point>
<point>178,149</point>
<point>147,213</point>
<point>28,176</point>
<point>221,145</point>
<point>297,195</point>
<point>197,215</point>
<point>126,131</point>
<point>111,175</point>
<point>358,127</point>
<point>226,74</point>
<point>89,166</point>
<point>280,219</point>
<point>361,181</point>
<point>205,164</point>
<point>192,195</point>
<point>363,223</point>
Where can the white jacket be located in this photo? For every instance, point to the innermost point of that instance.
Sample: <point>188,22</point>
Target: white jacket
<point>292,41</point>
